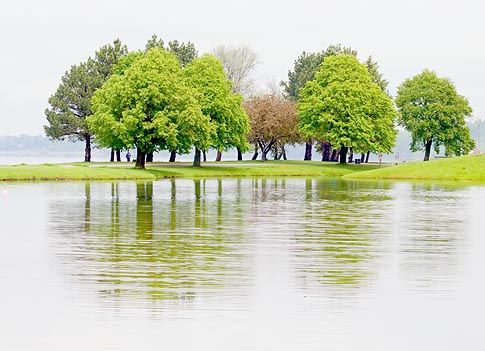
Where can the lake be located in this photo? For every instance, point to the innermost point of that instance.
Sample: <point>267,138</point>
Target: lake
<point>242,264</point>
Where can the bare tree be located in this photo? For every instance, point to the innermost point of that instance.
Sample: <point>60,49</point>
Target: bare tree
<point>238,63</point>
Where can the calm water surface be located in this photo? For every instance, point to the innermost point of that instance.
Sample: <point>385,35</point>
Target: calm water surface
<point>242,264</point>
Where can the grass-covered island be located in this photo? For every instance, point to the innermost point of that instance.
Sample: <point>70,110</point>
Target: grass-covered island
<point>458,168</point>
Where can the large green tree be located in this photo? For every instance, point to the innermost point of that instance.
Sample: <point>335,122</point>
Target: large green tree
<point>343,106</point>
<point>217,101</point>
<point>71,103</point>
<point>305,67</point>
<point>146,104</point>
<point>185,53</point>
<point>434,113</point>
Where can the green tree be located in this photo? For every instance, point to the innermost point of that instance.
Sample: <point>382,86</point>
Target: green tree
<point>434,113</point>
<point>343,106</point>
<point>224,108</point>
<point>305,67</point>
<point>373,68</point>
<point>71,103</point>
<point>185,52</point>
<point>105,59</point>
<point>147,105</point>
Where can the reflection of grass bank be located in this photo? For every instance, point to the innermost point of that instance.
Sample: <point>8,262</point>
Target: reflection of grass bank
<point>456,168</point>
<point>113,171</point>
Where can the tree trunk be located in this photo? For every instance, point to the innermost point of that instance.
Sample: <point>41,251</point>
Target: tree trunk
<point>255,155</point>
<point>263,155</point>
<point>219,156</point>
<point>140,159</point>
<point>112,156</point>
<point>284,155</point>
<point>362,158</point>
<point>118,155</point>
<point>367,157</point>
<point>308,150</point>
<point>204,154</point>
<point>239,154</point>
<point>173,154</point>
<point>335,155</point>
<point>343,155</point>
<point>149,156</point>
<point>326,148</point>
<point>351,156</point>
<point>197,158</point>
<point>428,150</point>
<point>87,150</point>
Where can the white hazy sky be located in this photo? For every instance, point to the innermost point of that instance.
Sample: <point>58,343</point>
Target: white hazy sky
<point>40,40</point>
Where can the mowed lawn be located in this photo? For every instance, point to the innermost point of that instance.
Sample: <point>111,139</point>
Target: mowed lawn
<point>471,167</point>
<point>124,171</point>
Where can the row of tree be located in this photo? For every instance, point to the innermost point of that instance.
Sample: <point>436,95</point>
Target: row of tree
<point>167,98</point>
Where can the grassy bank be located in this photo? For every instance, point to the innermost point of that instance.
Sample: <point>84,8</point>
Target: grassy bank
<point>470,168</point>
<point>124,171</point>
<point>70,172</point>
<point>459,168</point>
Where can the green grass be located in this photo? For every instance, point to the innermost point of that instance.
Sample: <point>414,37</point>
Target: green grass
<point>69,172</point>
<point>122,171</point>
<point>466,168</point>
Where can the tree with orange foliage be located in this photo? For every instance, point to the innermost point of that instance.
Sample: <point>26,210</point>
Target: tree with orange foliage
<point>273,122</point>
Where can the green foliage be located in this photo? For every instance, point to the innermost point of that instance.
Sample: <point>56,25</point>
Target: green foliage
<point>185,52</point>
<point>343,106</point>
<point>434,113</point>
<point>229,119</point>
<point>373,68</point>
<point>107,57</point>
<point>147,105</point>
<point>306,65</point>
<point>71,103</point>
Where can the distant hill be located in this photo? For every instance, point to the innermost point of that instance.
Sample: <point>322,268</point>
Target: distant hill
<point>37,144</point>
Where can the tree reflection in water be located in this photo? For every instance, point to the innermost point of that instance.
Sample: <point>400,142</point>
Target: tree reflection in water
<point>345,232</point>
<point>171,247</point>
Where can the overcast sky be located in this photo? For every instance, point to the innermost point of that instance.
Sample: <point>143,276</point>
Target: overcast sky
<point>40,40</point>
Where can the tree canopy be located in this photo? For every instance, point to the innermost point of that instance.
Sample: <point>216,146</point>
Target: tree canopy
<point>238,63</point>
<point>71,103</point>
<point>273,122</point>
<point>343,106</point>
<point>185,52</point>
<point>223,107</point>
<point>434,113</point>
<point>147,104</point>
